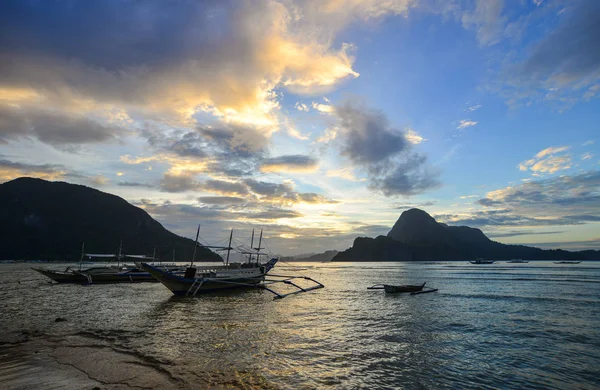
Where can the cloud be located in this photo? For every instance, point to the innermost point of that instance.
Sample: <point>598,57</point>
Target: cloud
<point>587,156</point>
<point>487,20</point>
<point>51,127</point>
<point>413,137</point>
<point>221,200</point>
<point>324,108</point>
<point>563,200</point>
<point>551,150</point>
<point>179,60</point>
<point>474,108</point>
<point>514,233</point>
<point>289,163</point>
<point>10,170</point>
<point>178,183</point>
<point>546,161</point>
<point>135,184</point>
<point>464,123</point>
<point>225,187</point>
<point>369,141</point>
<point>564,66</point>
<point>301,107</point>
<point>344,173</point>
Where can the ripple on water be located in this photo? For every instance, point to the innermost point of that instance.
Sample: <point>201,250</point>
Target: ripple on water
<point>486,328</point>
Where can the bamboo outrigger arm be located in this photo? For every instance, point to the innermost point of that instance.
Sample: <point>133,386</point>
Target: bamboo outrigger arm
<point>269,282</point>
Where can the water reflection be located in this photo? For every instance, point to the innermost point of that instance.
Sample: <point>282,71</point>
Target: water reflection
<point>518,326</point>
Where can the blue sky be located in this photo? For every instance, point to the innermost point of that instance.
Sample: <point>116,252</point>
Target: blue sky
<point>318,121</point>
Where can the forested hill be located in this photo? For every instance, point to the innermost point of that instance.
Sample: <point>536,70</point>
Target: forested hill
<point>418,236</point>
<point>43,220</point>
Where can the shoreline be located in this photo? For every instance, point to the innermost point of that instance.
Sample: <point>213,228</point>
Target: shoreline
<point>38,361</point>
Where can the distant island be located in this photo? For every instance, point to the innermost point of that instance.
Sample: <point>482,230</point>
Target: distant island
<point>320,257</point>
<point>417,236</point>
<point>43,220</point>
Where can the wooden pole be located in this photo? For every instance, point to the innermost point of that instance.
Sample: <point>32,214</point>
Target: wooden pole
<point>259,248</point>
<point>229,247</point>
<point>251,245</point>
<point>195,246</point>
<point>82,251</point>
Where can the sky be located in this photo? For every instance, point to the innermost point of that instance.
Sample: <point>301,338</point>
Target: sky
<point>318,120</point>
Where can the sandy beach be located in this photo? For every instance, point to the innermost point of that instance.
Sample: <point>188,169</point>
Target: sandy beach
<point>84,362</point>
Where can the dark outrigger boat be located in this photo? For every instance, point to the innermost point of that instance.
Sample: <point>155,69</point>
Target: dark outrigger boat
<point>397,289</point>
<point>251,274</point>
<point>110,273</point>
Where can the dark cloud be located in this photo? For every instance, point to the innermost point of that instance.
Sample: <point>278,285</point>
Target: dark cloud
<point>270,189</point>
<point>11,170</point>
<point>275,214</point>
<point>178,183</point>
<point>111,34</point>
<point>368,137</point>
<point>370,142</point>
<point>412,206</point>
<point>51,127</point>
<point>566,61</point>
<point>515,233</point>
<point>225,187</point>
<point>134,184</point>
<point>221,200</point>
<point>570,192</point>
<point>289,163</point>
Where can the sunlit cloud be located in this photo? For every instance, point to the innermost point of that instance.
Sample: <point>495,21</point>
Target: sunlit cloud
<point>587,156</point>
<point>344,173</point>
<point>324,108</point>
<point>464,123</point>
<point>547,161</point>
<point>413,137</point>
<point>302,107</point>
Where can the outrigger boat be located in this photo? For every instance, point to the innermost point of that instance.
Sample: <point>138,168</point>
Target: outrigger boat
<point>567,262</point>
<point>119,273</point>
<point>482,261</point>
<point>253,274</point>
<point>397,289</point>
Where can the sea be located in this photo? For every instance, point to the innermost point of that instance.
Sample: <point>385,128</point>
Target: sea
<point>496,326</point>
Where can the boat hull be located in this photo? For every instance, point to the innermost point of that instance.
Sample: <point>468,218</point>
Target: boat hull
<point>400,289</point>
<point>180,285</point>
<point>61,276</point>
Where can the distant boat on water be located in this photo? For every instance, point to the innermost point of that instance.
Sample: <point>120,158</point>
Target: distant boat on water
<point>518,261</point>
<point>567,262</point>
<point>481,260</point>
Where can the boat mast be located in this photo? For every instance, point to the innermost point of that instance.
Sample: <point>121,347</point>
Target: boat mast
<point>195,246</point>
<point>229,247</point>
<point>259,248</point>
<point>154,255</point>
<point>82,250</point>
<point>119,255</point>
<point>251,245</point>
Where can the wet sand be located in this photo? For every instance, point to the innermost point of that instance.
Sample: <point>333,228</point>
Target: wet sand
<point>80,362</point>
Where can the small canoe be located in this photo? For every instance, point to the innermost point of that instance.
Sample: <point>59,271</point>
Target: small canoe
<point>397,289</point>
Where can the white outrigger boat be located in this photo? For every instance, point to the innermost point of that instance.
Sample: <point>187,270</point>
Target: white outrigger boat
<point>251,274</point>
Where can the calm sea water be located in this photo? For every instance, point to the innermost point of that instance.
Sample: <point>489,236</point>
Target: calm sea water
<point>534,325</point>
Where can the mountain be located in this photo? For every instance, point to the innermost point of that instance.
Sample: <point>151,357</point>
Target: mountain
<point>47,220</point>
<point>418,236</point>
<point>322,257</point>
